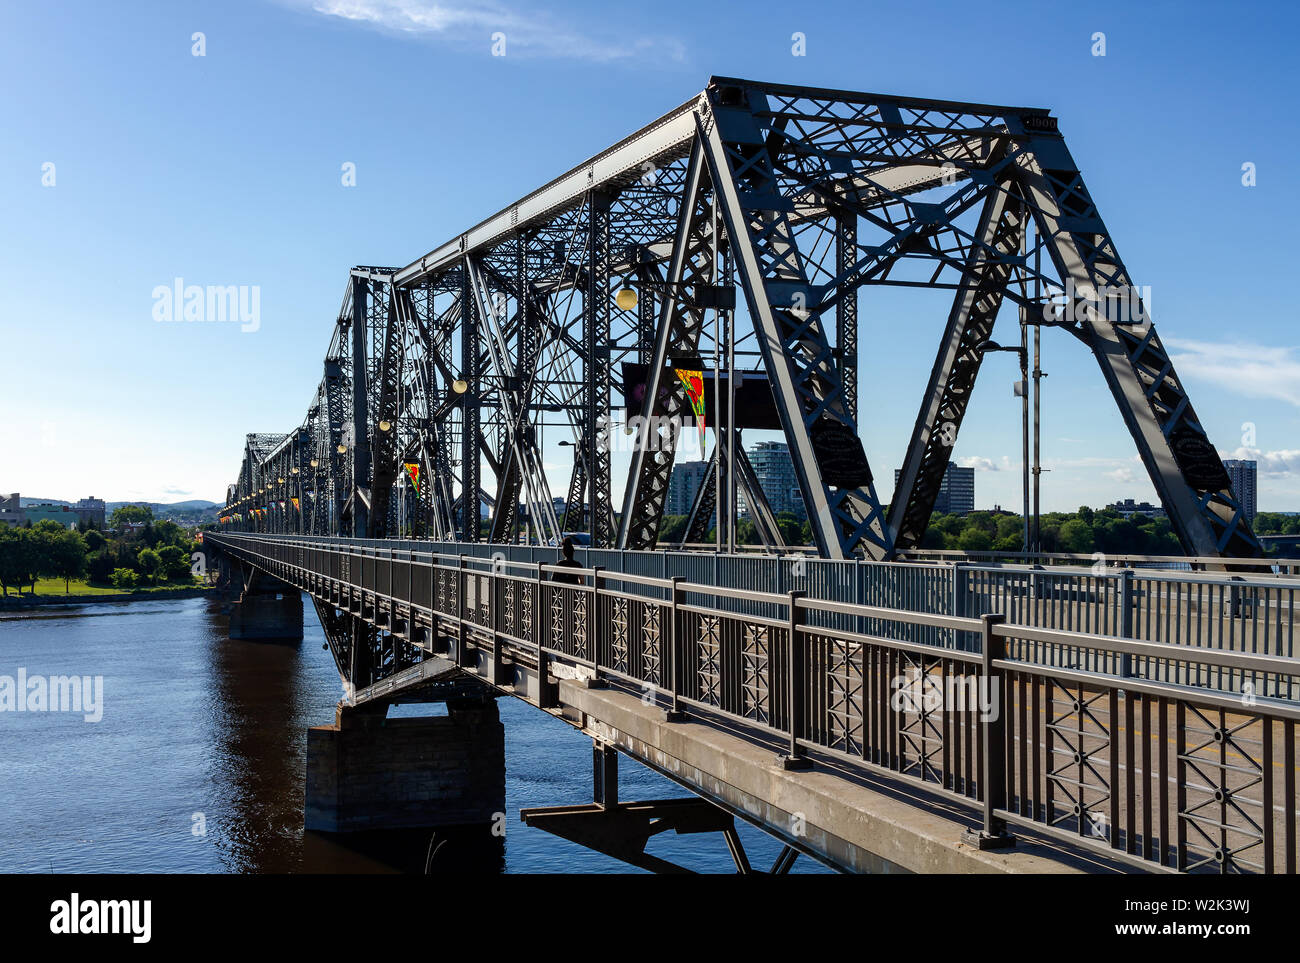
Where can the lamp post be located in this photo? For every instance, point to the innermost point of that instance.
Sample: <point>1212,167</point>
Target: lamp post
<point>1022,351</point>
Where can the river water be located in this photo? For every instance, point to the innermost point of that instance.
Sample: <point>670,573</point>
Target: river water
<point>197,764</point>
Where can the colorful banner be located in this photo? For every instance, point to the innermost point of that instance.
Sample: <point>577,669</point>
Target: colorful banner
<point>693,382</point>
<point>297,506</point>
<point>413,473</point>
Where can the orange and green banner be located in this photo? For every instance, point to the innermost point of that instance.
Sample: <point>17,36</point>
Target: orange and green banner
<point>693,382</point>
<point>297,506</point>
<point>413,473</point>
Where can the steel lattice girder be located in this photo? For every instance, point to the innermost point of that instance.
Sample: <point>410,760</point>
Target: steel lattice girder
<point>817,193</point>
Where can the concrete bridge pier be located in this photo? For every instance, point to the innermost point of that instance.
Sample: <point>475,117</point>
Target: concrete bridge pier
<point>267,609</point>
<point>369,772</point>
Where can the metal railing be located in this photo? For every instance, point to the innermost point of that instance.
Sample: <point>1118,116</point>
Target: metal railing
<point>1141,766</point>
<point>1203,610</point>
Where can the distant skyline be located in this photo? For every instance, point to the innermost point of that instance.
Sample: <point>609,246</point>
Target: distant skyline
<point>132,162</point>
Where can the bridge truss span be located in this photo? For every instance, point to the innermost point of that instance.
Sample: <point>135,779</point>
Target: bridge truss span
<point>725,244</point>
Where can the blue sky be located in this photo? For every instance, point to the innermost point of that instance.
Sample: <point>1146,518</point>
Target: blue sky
<point>225,169</point>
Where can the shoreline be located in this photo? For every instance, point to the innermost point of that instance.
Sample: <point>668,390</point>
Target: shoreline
<point>15,604</point>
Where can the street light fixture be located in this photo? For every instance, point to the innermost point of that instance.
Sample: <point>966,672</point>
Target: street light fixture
<point>626,298</point>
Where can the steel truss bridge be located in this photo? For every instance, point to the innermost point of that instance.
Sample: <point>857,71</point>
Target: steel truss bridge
<point>1109,748</point>
<point>456,363</point>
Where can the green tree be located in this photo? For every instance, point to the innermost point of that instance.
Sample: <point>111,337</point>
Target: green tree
<point>124,578</point>
<point>41,541</point>
<point>975,539</point>
<point>1011,543</point>
<point>671,528</point>
<point>1010,527</point>
<point>175,562</point>
<point>99,570</point>
<point>150,564</point>
<point>67,557</point>
<point>95,539</point>
<point>1076,536</point>
<point>14,549</point>
<point>789,526</point>
<point>130,513</point>
<point>168,532</point>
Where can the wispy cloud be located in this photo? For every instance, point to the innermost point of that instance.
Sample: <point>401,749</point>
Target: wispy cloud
<point>977,462</point>
<point>472,24</point>
<point>1253,370</point>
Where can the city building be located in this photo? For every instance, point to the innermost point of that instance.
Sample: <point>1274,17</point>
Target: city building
<point>91,511</point>
<point>88,510</point>
<point>684,482</point>
<point>11,510</point>
<point>1129,507</point>
<point>64,515</point>
<point>775,472</point>
<point>956,491</point>
<point>1243,475</point>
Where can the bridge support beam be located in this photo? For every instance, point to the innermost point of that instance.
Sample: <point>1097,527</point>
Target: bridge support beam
<point>267,609</point>
<point>369,772</point>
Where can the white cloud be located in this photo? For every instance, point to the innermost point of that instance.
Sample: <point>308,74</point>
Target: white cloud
<point>1256,371</point>
<point>472,22</point>
<point>1281,463</point>
<point>979,464</point>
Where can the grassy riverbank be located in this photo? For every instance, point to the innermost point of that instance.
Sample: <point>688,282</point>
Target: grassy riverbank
<point>50,591</point>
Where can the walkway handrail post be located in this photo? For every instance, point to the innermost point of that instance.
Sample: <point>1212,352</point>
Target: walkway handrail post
<point>958,607</point>
<point>1125,626</point>
<point>674,674</point>
<point>993,732</point>
<point>548,693</point>
<point>495,590</point>
<point>796,663</point>
<point>594,633</point>
<point>461,634</point>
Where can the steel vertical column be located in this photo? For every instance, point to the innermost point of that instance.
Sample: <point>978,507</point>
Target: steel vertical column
<point>469,447</point>
<point>846,310</point>
<point>360,433</point>
<point>596,344</point>
<point>645,317</point>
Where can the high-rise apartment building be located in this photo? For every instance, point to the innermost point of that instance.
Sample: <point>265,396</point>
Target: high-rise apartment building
<point>685,480</point>
<point>956,491</point>
<point>1243,475</point>
<point>775,472</point>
